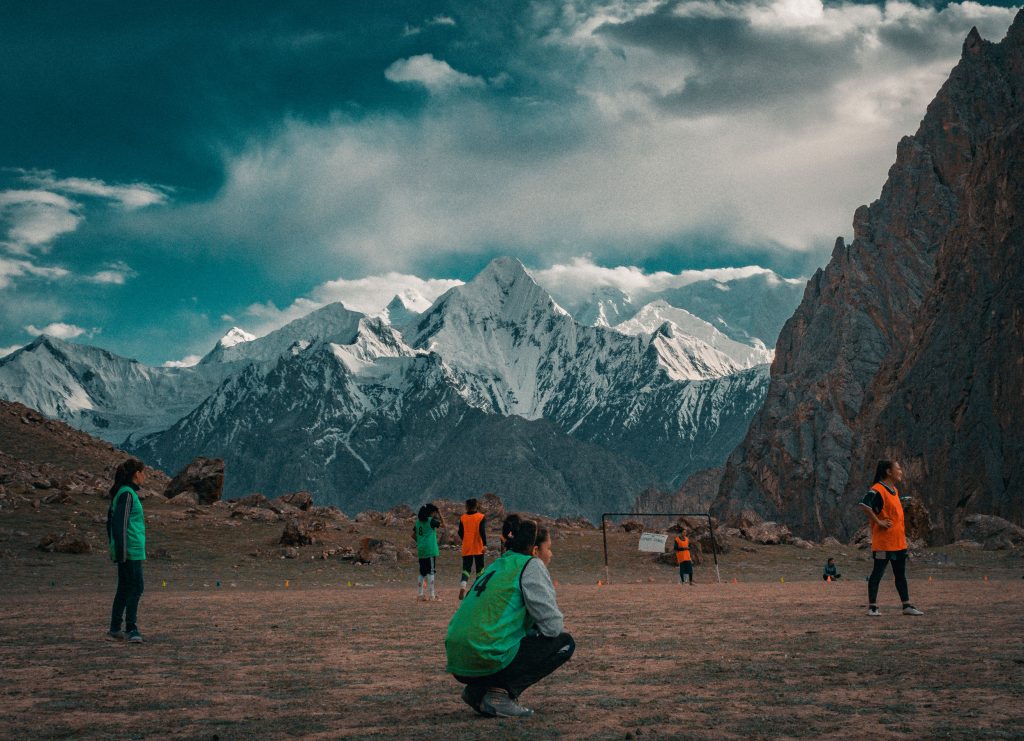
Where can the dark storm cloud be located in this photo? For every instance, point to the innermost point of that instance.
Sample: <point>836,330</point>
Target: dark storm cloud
<point>162,89</point>
<point>737,66</point>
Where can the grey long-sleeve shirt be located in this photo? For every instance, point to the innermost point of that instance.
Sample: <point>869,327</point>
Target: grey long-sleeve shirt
<point>539,596</point>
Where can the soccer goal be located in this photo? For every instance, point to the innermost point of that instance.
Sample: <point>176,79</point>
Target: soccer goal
<point>654,542</point>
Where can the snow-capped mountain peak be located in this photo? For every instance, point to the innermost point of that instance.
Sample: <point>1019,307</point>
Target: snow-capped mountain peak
<point>711,351</point>
<point>235,336</point>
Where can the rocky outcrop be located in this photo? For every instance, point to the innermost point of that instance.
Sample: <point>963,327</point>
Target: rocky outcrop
<point>695,495</point>
<point>203,477</point>
<point>907,345</point>
<point>993,533</point>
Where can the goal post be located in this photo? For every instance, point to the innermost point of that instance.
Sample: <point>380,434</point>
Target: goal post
<point>707,515</point>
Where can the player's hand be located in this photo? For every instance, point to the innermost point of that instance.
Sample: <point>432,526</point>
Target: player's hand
<point>885,523</point>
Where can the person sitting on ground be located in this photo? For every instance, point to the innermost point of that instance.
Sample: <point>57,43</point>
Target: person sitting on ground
<point>508,632</point>
<point>428,520</point>
<point>831,572</point>
<point>126,533</point>
<point>473,531</point>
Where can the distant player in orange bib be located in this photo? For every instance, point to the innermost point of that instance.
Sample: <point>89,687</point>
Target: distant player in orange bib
<point>888,536</point>
<point>683,557</point>
<point>473,531</point>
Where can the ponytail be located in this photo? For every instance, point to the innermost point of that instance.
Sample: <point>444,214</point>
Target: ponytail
<point>124,474</point>
<point>882,470</point>
<point>520,534</point>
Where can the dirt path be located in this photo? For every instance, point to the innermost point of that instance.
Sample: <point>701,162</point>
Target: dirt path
<point>653,660</point>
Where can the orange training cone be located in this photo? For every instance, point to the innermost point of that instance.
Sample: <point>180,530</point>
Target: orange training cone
<point>828,578</point>
<point>285,583</point>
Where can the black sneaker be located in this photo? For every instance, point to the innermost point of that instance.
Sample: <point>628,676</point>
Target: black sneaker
<point>134,636</point>
<point>472,698</point>
<point>115,635</point>
<point>499,704</point>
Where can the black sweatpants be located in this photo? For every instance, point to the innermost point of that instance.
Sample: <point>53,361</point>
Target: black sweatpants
<point>686,569</point>
<point>537,657</point>
<point>126,599</point>
<point>468,562</point>
<point>899,571</point>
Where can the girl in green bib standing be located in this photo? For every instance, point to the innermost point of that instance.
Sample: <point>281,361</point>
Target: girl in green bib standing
<point>428,520</point>
<point>507,633</point>
<point>126,533</point>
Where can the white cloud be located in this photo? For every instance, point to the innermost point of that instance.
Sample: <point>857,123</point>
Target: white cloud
<point>434,74</point>
<point>5,351</point>
<point>115,274</point>
<point>578,279</point>
<point>60,330</point>
<point>34,218</point>
<point>131,196</point>
<point>16,268</point>
<point>367,295</point>
<point>441,20</point>
<point>186,362</point>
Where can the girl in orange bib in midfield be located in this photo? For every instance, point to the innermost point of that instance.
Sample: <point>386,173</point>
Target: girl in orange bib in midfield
<point>888,535</point>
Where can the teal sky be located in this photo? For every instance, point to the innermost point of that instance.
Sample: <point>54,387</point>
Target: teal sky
<point>172,169</point>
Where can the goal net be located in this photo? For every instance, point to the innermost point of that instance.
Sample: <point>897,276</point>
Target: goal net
<point>653,532</point>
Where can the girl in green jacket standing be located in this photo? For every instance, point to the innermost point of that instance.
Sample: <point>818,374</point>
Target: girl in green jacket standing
<point>126,533</point>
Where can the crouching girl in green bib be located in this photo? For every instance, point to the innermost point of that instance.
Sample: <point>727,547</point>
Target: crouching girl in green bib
<point>507,633</point>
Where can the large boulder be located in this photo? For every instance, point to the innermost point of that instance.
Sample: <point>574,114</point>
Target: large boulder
<point>295,534</point>
<point>916,520</point>
<point>994,533</point>
<point>373,550</point>
<point>768,533</point>
<point>203,476</point>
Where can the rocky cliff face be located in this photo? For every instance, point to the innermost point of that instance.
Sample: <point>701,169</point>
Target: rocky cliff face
<point>908,345</point>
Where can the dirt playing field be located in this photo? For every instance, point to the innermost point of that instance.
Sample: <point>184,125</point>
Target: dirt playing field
<point>325,660</point>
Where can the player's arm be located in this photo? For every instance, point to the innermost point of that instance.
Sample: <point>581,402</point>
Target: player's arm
<point>872,505</point>
<point>462,534</point>
<point>539,599</point>
<point>483,531</point>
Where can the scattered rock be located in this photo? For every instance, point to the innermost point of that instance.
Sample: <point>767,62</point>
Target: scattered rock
<point>801,543</point>
<point>185,499</point>
<point>631,526</point>
<point>252,500</point>
<point>301,500</point>
<point>831,542</point>
<point>290,552</point>
<point>203,476</point>
<point>64,543</point>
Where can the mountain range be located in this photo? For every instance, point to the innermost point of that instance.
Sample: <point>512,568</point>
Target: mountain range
<point>494,387</point>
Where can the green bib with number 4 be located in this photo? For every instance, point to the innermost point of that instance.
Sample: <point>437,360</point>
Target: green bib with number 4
<point>484,634</point>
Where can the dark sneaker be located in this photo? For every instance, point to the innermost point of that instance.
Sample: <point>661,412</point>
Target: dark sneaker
<point>134,636</point>
<point>115,635</point>
<point>874,612</point>
<point>499,704</point>
<point>472,698</point>
<point>911,610</point>
<point>462,592</point>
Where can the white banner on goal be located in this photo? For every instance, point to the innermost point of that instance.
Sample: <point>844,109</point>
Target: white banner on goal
<point>653,542</point>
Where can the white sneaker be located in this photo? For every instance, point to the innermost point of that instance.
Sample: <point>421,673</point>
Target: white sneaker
<point>911,610</point>
<point>874,612</point>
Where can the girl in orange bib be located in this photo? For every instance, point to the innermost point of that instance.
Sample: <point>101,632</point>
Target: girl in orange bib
<point>888,536</point>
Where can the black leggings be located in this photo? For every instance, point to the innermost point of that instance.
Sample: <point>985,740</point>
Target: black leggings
<point>899,571</point>
<point>537,657</point>
<point>126,600</point>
